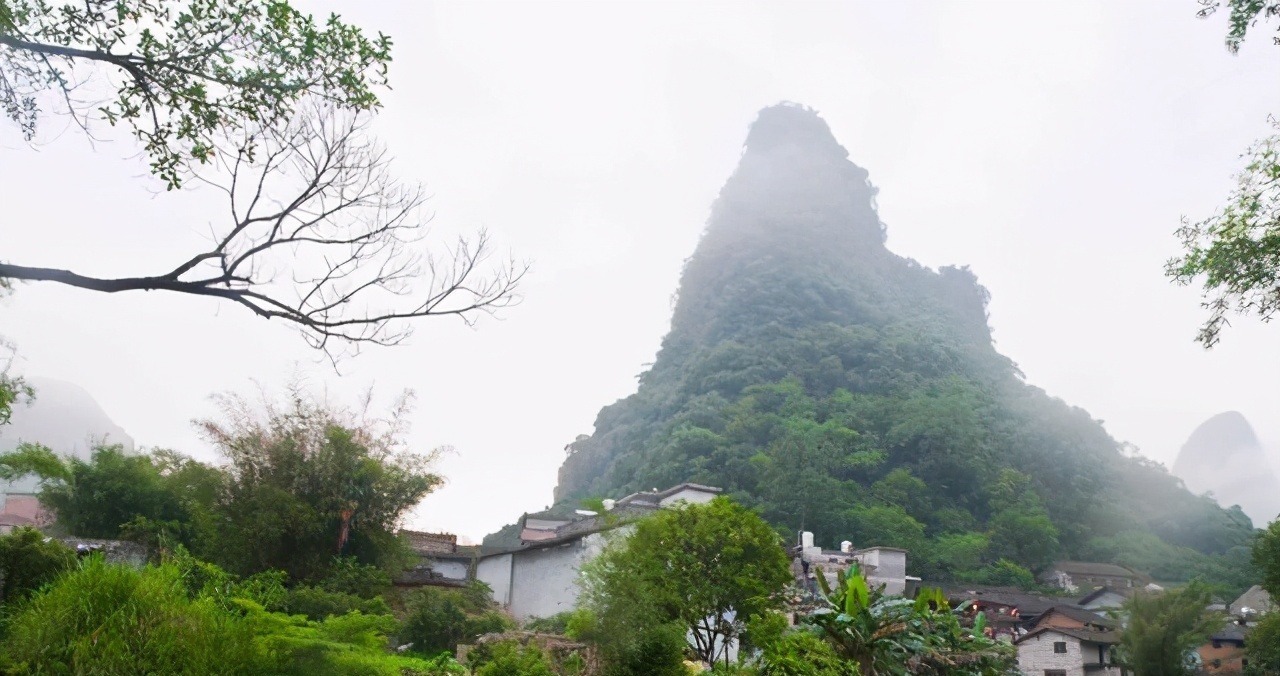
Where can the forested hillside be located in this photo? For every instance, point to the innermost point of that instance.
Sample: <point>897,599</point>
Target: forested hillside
<point>839,387</point>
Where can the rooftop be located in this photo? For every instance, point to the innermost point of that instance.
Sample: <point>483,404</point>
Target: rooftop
<point>1092,568</point>
<point>1087,635</point>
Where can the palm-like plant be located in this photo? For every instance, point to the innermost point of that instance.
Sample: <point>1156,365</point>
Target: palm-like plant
<point>889,636</point>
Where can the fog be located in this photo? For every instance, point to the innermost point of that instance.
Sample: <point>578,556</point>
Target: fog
<point>1052,147</point>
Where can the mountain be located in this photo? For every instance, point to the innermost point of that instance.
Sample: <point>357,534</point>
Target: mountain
<point>1224,457</point>
<point>64,417</point>
<point>843,389</point>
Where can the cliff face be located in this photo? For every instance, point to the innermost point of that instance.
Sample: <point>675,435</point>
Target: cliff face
<point>1224,457</point>
<point>835,385</point>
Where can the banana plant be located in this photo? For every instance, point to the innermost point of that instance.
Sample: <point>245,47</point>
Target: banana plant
<point>892,636</point>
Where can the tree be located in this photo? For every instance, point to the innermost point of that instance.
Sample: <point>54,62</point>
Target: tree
<point>269,107</point>
<point>1165,628</point>
<point>306,482</point>
<point>1263,646</point>
<point>1235,253</point>
<point>12,388</point>
<point>1266,557</point>
<point>439,619</point>
<point>708,568</point>
<point>1242,15</point>
<point>96,498</point>
<point>183,74</point>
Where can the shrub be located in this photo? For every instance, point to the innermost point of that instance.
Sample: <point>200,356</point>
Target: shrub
<point>801,653</point>
<point>109,619</point>
<point>317,604</point>
<point>441,618</point>
<point>509,658</point>
<point>348,576</point>
<point>28,561</point>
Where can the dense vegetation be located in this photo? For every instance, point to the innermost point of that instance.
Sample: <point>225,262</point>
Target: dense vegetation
<point>278,561</point>
<point>839,388</point>
<point>304,488</point>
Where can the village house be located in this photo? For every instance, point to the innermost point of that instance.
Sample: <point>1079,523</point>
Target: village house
<point>10,522</point>
<point>883,566</point>
<point>1062,651</point>
<point>538,573</point>
<point>1223,654</point>
<point>441,561</point>
<point>1072,576</point>
<point>1251,604</point>
<point>1104,598</point>
<point>1071,617</point>
<point>539,577</point>
<point>1008,609</point>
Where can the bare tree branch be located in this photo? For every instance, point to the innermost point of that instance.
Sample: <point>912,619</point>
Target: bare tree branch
<point>342,258</point>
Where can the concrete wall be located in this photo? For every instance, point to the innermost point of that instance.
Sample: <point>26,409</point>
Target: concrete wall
<point>545,580</point>
<point>453,570</point>
<point>689,495</point>
<point>890,569</point>
<point>495,571</point>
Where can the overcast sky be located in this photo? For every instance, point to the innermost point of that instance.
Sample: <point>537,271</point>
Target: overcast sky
<point>1052,147</point>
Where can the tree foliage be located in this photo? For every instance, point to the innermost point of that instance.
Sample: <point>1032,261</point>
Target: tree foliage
<point>28,561</point>
<point>1242,15</point>
<point>1165,628</point>
<point>706,568</point>
<point>181,75</point>
<point>439,618</point>
<point>1263,646</point>
<point>306,482</point>
<point>1234,255</point>
<point>308,489</point>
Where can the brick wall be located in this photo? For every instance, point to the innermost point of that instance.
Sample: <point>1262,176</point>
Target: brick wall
<point>1035,655</point>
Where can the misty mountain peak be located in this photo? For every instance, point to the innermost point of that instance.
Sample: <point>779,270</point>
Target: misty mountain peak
<point>1224,457</point>
<point>791,124</point>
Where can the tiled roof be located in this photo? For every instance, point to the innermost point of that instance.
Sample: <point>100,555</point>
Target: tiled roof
<point>1028,605</point>
<point>15,520</point>
<point>1100,591</point>
<point>1107,637</point>
<point>1231,632</point>
<point>1091,568</point>
<point>1256,599</point>
<point>1078,614</point>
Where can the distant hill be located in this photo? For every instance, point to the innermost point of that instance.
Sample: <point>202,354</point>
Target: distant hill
<point>1223,456</point>
<point>63,417</point>
<point>838,387</point>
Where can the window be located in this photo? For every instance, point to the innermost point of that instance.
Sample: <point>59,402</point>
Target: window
<point>1060,647</point>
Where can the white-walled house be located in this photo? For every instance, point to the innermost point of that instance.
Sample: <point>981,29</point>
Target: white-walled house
<point>1060,651</point>
<point>541,579</point>
<point>883,566</point>
<point>540,576</point>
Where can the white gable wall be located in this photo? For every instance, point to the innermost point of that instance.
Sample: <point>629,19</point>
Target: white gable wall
<point>695,496</point>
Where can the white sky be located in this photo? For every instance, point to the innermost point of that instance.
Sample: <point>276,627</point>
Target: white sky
<point>1050,146</point>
